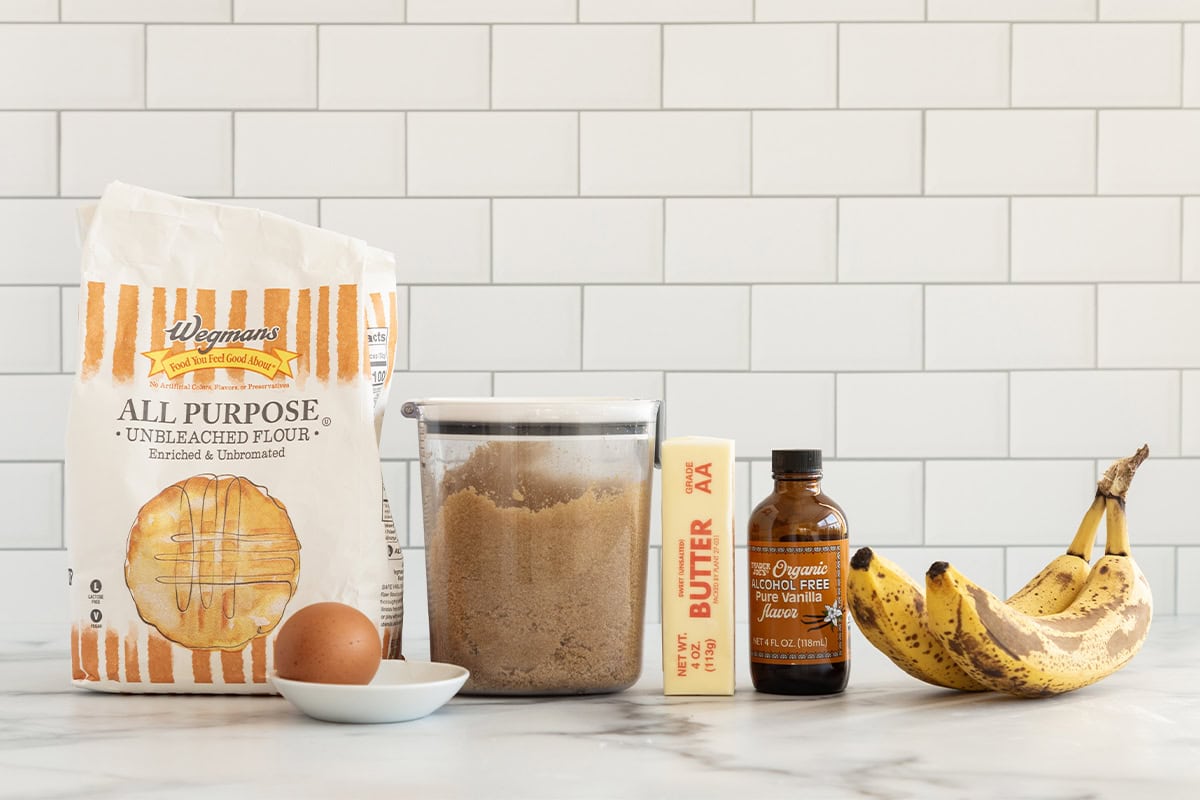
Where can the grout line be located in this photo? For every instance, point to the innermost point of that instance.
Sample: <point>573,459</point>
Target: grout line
<point>573,196</point>
<point>576,10</point>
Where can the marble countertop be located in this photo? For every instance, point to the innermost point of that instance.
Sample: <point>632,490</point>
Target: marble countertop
<point>1137,734</point>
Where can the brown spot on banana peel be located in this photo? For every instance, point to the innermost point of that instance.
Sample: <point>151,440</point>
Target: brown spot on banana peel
<point>1131,639</point>
<point>1008,637</point>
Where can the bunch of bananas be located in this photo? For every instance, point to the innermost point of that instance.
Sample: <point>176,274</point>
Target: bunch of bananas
<point>1067,628</point>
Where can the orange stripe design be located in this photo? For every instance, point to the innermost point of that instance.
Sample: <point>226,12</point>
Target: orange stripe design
<point>387,642</point>
<point>161,661</point>
<point>347,331</point>
<point>378,321</point>
<point>323,334</point>
<point>275,313</point>
<point>133,671</point>
<point>125,347</point>
<point>158,318</point>
<point>93,330</point>
<point>89,644</point>
<point>181,312</point>
<point>206,307</point>
<point>202,666</point>
<point>76,667</point>
<point>237,321</point>
<point>303,333</point>
<point>258,659</point>
<point>232,666</point>
<point>112,655</point>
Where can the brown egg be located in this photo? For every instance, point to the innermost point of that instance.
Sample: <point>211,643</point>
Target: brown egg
<point>328,643</point>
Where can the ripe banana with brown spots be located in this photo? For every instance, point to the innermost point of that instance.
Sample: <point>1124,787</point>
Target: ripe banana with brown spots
<point>889,607</point>
<point>1029,656</point>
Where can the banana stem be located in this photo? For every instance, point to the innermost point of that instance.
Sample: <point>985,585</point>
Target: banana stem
<point>1118,528</point>
<point>1089,526</point>
<point>1119,474</point>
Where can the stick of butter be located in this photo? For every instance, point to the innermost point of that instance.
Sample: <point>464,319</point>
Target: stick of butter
<point>697,565</point>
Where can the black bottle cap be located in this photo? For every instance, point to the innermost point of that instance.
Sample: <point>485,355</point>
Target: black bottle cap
<point>795,461</point>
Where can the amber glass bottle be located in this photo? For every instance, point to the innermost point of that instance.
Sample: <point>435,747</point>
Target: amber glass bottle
<point>799,643</point>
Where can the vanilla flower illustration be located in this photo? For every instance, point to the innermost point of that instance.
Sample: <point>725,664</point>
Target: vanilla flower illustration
<point>833,613</point>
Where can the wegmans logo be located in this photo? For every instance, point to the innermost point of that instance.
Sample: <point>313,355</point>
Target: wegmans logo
<point>232,355</point>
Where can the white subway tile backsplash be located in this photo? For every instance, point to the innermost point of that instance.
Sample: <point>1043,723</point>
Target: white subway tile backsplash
<point>577,241</point>
<point>29,327</point>
<point>38,241</point>
<point>36,406</point>
<point>1095,239</point>
<point>872,10</point>
<point>643,385</point>
<point>1016,10</point>
<point>923,239</point>
<point>733,240</point>
<point>400,433</point>
<point>40,574</point>
<point>573,208</point>
<point>1149,325</point>
<point>1191,64</point>
<point>32,498</point>
<point>71,66</point>
<point>416,595</point>
<point>760,411</point>
<point>29,11</point>
<point>260,66</point>
<point>506,153</point>
<point>434,241</point>
<point>1187,566</point>
<point>882,500</point>
<point>841,328</point>
<point>1006,502</point>
<point>666,10</point>
<point>495,327</point>
<point>28,153</point>
<point>184,152</point>
<point>1191,239</point>
<point>146,10</point>
<point>425,66</point>
<point>1190,412</point>
<point>1149,9</point>
<point>668,327</point>
<point>1096,65</point>
<point>1010,152</point>
<point>1009,327</point>
<point>491,11</point>
<point>935,415</point>
<point>319,10</point>
<point>1100,414</point>
<point>298,154</point>
<point>1149,152</point>
<point>602,66</point>
<point>914,66</point>
<point>676,152</point>
<point>750,66</point>
<point>837,152</point>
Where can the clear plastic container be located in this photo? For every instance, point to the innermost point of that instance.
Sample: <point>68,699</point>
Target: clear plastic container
<point>537,523</point>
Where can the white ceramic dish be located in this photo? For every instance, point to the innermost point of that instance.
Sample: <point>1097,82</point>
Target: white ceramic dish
<point>400,691</point>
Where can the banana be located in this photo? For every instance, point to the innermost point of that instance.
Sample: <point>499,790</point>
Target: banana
<point>889,606</point>
<point>1030,656</point>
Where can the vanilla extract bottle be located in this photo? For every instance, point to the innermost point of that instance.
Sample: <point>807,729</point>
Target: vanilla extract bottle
<point>799,545</point>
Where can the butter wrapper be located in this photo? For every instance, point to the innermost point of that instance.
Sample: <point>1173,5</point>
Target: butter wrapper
<point>697,566</point>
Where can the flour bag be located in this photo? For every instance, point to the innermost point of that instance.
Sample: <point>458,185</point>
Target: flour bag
<point>222,463</point>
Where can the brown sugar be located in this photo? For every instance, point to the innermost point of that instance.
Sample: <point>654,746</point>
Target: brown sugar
<point>537,581</point>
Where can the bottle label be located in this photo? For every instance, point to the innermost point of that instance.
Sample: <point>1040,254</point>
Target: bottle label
<point>797,602</point>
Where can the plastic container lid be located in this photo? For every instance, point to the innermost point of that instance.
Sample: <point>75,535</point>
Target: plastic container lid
<point>565,410</point>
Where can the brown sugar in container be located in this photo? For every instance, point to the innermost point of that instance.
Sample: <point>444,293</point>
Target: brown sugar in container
<point>537,519</point>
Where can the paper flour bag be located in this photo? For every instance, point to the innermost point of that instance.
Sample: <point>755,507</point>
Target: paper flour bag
<point>222,449</point>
